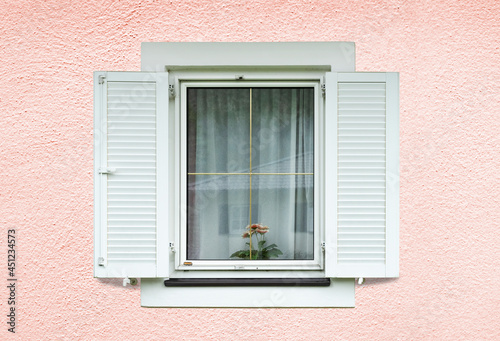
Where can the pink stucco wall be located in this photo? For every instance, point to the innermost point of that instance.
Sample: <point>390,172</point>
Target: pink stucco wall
<point>447,53</point>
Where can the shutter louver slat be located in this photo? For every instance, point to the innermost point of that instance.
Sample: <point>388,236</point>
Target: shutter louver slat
<point>354,98</point>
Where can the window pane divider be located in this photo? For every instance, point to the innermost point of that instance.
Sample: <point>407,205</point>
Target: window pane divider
<point>250,178</point>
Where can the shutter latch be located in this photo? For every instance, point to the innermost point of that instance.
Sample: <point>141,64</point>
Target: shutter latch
<point>100,261</point>
<point>101,79</point>
<point>323,89</point>
<point>323,246</point>
<point>131,281</point>
<point>172,247</point>
<point>106,170</point>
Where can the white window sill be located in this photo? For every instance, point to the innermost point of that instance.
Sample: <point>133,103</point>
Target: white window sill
<point>340,294</point>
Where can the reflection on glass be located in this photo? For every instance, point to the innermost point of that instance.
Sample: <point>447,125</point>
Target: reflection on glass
<point>285,204</point>
<point>282,130</point>
<point>218,130</point>
<point>218,208</point>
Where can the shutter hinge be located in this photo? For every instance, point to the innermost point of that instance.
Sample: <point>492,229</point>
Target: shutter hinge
<point>172,247</point>
<point>106,170</point>
<point>171,90</point>
<point>323,246</point>
<point>101,79</point>
<point>100,261</point>
<point>323,89</point>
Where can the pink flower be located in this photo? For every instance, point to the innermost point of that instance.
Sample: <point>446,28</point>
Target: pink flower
<point>263,229</point>
<point>253,226</point>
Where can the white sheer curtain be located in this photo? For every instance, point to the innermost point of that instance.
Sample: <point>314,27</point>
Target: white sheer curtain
<point>282,145</point>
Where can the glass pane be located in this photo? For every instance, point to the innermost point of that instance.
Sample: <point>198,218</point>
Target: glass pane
<point>285,203</point>
<point>217,213</point>
<point>281,205</point>
<point>218,129</point>
<point>283,130</point>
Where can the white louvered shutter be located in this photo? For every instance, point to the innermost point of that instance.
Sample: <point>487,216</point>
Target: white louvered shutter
<point>362,175</point>
<point>130,157</point>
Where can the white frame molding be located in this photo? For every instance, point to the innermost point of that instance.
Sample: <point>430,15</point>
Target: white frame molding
<point>257,62</point>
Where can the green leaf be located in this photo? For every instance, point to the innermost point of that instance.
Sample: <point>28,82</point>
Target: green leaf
<point>267,252</point>
<point>273,253</point>
<point>236,254</point>
<point>243,254</point>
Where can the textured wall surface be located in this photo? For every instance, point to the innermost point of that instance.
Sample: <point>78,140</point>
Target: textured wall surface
<point>447,53</point>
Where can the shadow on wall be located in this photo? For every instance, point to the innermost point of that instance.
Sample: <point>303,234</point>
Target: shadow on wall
<point>118,282</point>
<point>376,281</point>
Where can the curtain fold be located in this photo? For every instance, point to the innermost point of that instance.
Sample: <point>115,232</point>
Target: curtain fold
<point>283,136</point>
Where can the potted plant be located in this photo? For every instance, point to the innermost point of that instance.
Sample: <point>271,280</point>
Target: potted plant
<point>262,252</point>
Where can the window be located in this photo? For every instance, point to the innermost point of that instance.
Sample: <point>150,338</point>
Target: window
<point>250,172</point>
<point>237,166</point>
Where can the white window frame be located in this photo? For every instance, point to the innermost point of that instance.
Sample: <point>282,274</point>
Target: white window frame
<point>251,79</point>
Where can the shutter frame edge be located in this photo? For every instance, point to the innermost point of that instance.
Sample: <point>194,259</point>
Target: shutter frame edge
<point>331,117</point>
<point>162,171</point>
<point>99,116</point>
<point>392,174</point>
